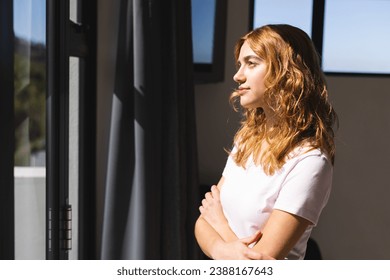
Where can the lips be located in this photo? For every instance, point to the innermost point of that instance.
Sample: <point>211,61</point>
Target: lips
<point>242,90</point>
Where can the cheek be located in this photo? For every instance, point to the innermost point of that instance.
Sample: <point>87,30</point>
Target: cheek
<point>259,83</point>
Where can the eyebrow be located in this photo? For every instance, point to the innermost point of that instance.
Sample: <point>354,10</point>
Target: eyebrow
<point>248,57</point>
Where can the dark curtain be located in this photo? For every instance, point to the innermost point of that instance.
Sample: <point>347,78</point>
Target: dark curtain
<point>152,190</point>
<point>7,139</point>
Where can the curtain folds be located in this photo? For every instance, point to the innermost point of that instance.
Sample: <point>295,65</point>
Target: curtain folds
<point>152,190</point>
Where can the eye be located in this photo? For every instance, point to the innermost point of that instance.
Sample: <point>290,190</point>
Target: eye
<point>251,63</point>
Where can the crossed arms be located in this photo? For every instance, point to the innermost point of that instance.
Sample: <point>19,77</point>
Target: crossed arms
<point>218,241</point>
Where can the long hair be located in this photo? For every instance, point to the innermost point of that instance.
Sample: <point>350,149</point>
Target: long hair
<point>296,91</point>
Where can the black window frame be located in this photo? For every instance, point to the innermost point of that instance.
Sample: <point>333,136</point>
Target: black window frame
<point>65,39</point>
<point>215,71</point>
<point>7,132</point>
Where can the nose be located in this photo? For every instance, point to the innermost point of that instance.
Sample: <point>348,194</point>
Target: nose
<point>239,76</point>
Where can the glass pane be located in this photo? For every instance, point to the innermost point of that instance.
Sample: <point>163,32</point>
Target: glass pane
<point>203,18</point>
<point>297,13</point>
<point>30,129</point>
<point>74,70</point>
<point>357,36</point>
<point>30,213</point>
<point>73,164</point>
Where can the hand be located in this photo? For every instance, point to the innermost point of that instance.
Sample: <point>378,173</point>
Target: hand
<point>239,250</point>
<point>211,210</point>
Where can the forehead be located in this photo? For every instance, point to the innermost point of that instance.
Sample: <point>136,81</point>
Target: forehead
<point>246,51</point>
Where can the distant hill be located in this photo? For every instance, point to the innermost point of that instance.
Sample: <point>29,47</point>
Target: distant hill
<point>30,100</point>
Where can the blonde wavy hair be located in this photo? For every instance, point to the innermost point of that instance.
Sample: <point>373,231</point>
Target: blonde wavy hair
<point>297,93</point>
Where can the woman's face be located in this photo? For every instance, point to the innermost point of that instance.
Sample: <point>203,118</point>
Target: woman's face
<point>250,77</point>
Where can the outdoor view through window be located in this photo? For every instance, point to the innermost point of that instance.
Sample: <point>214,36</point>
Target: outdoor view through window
<point>30,127</point>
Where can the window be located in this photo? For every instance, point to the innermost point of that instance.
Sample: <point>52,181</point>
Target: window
<point>48,108</point>
<point>203,23</point>
<point>357,36</point>
<point>352,36</point>
<point>297,13</point>
<point>30,129</point>
<point>208,31</point>
<point>30,80</point>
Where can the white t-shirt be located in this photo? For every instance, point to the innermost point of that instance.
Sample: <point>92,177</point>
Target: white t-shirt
<point>301,187</point>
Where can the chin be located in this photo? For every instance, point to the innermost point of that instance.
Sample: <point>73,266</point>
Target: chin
<point>244,104</point>
<point>248,106</point>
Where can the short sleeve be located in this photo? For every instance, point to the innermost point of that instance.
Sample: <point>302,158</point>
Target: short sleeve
<point>306,188</point>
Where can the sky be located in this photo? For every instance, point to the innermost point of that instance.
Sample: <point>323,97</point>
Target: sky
<point>30,19</point>
<point>294,12</point>
<point>357,36</point>
<point>203,29</point>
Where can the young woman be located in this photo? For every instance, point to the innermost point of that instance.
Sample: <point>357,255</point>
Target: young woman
<point>278,175</point>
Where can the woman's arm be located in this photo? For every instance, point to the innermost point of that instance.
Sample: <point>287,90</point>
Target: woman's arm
<point>205,227</point>
<point>216,248</point>
<point>215,237</point>
<point>211,211</point>
<point>213,233</point>
<point>306,188</point>
<point>281,232</point>
<point>208,239</point>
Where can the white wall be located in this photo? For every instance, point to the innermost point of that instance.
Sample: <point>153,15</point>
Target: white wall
<point>356,222</point>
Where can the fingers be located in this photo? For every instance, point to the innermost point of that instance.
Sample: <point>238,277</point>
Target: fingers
<point>253,255</point>
<point>257,236</point>
<point>201,209</point>
<point>205,202</point>
<point>203,206</point>
<point>209,198</point>
<point>253,238</point>
<point>215,192</point>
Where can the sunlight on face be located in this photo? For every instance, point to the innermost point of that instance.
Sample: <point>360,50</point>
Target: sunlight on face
<point>250,77</point>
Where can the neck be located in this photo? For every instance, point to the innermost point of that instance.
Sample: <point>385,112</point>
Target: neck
<point>270,117</point>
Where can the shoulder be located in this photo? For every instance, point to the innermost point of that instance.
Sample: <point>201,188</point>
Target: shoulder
<point>308,154</point>
<point>307,162</point>
<point>307,183</point>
